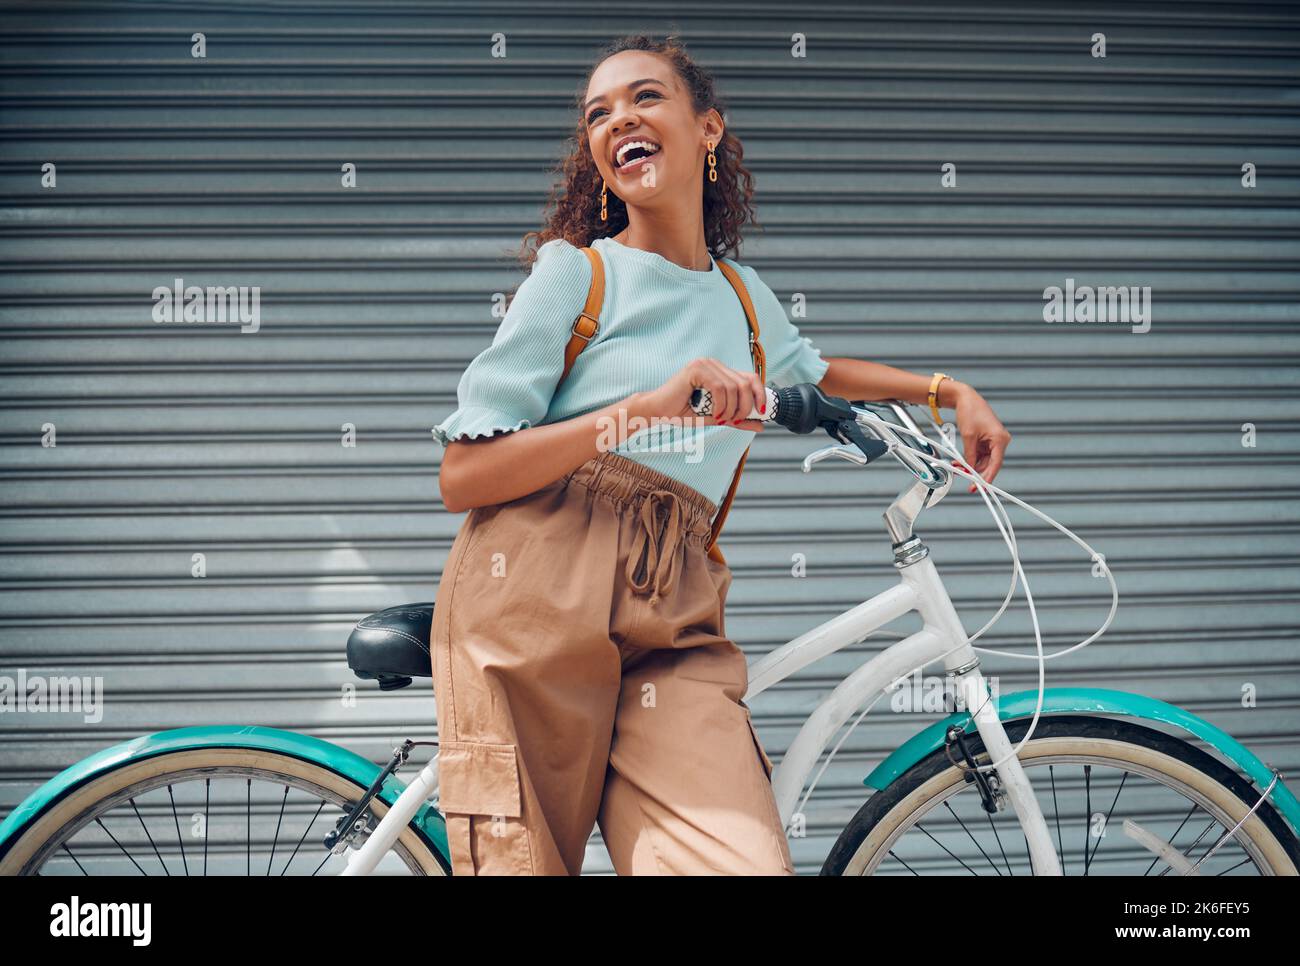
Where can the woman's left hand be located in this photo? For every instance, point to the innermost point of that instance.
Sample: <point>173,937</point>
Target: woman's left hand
<point>984,438</point>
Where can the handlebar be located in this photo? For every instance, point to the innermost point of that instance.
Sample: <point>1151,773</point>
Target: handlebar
<point>803,408</point>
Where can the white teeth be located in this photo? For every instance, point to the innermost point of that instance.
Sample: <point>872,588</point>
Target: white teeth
<point>650,146</point>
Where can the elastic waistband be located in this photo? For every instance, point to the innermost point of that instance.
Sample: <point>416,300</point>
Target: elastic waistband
<point>627,482</point>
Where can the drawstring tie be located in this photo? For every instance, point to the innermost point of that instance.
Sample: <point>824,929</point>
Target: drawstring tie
<point>659,556</point>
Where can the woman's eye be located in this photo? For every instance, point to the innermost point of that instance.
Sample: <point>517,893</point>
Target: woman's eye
<point>592,116</point>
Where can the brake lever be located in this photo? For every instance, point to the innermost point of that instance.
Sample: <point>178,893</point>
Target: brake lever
<point>858,449</point>
<point>871,449</point>
<point>849,453</point>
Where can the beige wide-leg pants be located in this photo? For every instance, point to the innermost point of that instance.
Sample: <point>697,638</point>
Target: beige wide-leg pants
<point>582,674</point>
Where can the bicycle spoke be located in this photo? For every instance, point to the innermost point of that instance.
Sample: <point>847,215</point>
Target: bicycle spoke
<point>73,858</point>
<point>1106,823</point>
<point>207,828</point>
<point>1237,866</point>
<point>277,830</point>
<point>972,837</point>
<point>1087,814</point>
<point>119,845</point>
<point>1056,812</point>
<point>993,826</point>
<point>905,865</point>
<point>1172,837</point>
<point>179,841</point>
<point>1208,847</point>
<point>303,839</point>
<point>166,871</point>
<point>322,862</point>
<point>945,848</point>
<point>1187,853</point>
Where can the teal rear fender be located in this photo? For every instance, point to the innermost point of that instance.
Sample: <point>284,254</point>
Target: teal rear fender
<point>352,766</point>
<point>1097,700</point>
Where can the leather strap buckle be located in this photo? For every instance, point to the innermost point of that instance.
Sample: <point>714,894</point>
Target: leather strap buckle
<point>591,329</point>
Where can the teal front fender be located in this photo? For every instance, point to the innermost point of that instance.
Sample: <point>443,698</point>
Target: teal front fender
<point>352,766</point>
<point>1098,700</point>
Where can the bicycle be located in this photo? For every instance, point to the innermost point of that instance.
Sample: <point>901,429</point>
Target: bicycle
<point>978,760</point>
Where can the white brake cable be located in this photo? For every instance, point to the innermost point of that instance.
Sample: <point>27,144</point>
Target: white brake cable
<point>1008,536</point>
<point>1093,555</point>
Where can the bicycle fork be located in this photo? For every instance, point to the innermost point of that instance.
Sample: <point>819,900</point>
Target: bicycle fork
<point>1010,774</point>
<point>935,606</point>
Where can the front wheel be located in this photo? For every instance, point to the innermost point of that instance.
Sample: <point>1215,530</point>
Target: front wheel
<point>1092,777</point>
<point>207,811</point>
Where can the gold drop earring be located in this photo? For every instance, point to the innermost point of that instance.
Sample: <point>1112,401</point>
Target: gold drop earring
<point>713,163</point>
<point>603,198</point>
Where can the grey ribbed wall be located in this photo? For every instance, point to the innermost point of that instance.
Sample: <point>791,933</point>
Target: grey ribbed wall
<point>180,439</point>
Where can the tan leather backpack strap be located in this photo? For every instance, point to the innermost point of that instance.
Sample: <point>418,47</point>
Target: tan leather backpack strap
<point>755,346</point>
<point>587,324</point>
<point>721,518</point>
<point>760,366</point>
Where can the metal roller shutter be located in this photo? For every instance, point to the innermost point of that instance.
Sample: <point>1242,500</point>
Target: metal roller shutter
<point>182,439</point>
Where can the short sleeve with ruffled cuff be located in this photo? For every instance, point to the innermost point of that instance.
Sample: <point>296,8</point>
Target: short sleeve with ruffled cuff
<point>509,385</point>
<point>474,421</point>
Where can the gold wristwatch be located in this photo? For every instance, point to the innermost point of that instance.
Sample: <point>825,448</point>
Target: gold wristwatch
<point>934,395</point>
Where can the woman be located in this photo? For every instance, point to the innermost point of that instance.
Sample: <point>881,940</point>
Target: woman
<point>581,667</point>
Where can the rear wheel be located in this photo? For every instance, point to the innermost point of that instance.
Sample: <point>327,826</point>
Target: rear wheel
<point>1091,777</point>
<point>207,811</point>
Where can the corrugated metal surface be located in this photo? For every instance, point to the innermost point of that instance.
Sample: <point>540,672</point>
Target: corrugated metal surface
<point>176,440</point>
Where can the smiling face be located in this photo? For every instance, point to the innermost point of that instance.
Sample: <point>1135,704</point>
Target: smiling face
<point>638,112</point>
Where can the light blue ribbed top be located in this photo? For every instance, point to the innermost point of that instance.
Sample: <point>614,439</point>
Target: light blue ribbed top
<point>656,317</point>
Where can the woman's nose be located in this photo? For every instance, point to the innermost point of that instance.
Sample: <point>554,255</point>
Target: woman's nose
<point>623,121</point>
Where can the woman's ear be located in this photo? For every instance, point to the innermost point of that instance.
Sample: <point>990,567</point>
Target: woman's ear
<point>714,127</point>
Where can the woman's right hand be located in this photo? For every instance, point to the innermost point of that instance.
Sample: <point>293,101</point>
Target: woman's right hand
<point>735,394</point>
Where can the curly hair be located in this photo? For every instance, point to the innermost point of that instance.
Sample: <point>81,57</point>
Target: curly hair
<point>576,196</point>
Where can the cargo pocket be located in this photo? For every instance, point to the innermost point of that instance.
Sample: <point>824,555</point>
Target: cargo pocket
<point>479,795</point>
<point>779,840</point>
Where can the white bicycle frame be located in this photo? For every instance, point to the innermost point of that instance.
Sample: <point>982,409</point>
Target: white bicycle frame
<point>920,589</point>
